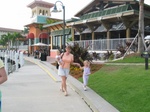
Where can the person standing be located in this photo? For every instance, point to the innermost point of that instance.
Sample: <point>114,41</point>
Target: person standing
<point>64,69</point>
<point>3,75</point>
<point>86,73</point>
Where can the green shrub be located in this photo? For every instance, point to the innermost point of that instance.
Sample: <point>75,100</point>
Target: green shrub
<point>80,54</point>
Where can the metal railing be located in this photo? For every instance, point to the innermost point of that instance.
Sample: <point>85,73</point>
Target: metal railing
<point>102,44</point>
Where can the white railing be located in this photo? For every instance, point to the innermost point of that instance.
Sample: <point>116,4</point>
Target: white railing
<point>12,60</point>
<point>102,44</point>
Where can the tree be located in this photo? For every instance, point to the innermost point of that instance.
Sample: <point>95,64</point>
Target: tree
<point>26,30</point>
<point>10,39</point>
<point>50,21</point>
<point>40,27</point>
<point>3,40</point>
<point>15,38</point>
<point>141,27</point>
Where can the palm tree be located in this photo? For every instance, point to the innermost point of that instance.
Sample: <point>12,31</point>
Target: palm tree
<point>3,40</point>
<point>15,38</point>
<point>141,27</point>
<point>26,30</point>
<point>50,21</point>
<point>8,37</point>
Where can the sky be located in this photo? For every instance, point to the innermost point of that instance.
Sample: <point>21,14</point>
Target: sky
<point>15,14</point>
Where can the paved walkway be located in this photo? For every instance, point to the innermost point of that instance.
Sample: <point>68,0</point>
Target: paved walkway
<point>35,88</point>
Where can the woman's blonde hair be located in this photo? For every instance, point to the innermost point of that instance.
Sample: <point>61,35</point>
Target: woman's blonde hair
<point>68,46</point>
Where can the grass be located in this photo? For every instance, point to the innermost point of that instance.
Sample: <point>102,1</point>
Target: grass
<point>126,87</point>
<point>131,60</point>
<point>134,58</point>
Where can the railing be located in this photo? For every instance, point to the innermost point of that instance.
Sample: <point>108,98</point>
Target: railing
<point>12,60</point>
<point>102,44</point>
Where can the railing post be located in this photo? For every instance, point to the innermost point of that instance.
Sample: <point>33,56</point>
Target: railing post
<point>6,63</point>
<point>21,59</point>
<point>16,60</point>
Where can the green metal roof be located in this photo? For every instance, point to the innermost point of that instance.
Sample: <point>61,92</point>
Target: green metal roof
<point>105,12</point>
<point>60,22</point>
<point>60,32</point>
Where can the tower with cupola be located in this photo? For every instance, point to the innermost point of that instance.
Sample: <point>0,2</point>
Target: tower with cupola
<point>40,12</point>
<point>40,7</point>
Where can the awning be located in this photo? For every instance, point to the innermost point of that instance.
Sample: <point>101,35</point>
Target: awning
<point>60,32</point>
<point>43,35</point>
<point>30,36</point>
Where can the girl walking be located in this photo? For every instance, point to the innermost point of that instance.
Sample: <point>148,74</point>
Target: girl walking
<point>86,73</point>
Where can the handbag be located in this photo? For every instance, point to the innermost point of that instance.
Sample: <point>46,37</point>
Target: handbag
<point>57,65</point>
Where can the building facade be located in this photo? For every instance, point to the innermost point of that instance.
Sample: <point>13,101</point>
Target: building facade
<point>37,34</point>
<point>100,19</point>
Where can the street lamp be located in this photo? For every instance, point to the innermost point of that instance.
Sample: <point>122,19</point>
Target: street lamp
<point>28,48</point>
<point>55,10</point>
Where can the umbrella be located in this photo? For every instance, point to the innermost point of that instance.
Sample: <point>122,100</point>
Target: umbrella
<point>147,37</point>
<point>40,44</point>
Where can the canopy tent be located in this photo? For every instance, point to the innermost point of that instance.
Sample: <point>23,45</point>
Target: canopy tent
<point>40,44</point>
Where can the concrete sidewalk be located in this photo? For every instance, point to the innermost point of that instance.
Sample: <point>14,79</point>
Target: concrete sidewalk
<point>31,89</point>
<point>35,88</point>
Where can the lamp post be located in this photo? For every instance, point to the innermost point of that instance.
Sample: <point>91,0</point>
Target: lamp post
<point>55,10</point>
<point>28,48</point>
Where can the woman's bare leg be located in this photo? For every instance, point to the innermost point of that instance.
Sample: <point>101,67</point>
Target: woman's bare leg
<point>61,87</point>
<point>64,86</point>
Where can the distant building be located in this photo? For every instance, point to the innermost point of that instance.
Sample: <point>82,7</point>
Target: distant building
<point>8,30</point>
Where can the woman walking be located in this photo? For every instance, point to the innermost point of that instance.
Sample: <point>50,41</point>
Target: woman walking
<point>63,71</point>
